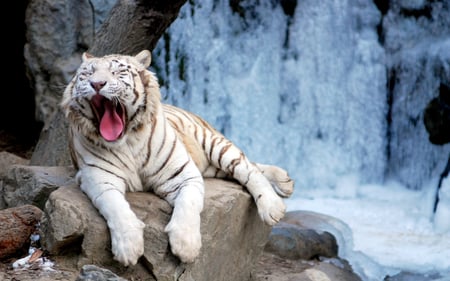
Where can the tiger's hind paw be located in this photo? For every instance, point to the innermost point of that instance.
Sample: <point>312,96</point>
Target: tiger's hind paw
<point>279,179</point>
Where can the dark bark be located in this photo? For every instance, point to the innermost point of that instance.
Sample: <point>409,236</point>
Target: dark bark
<point>135,25</point>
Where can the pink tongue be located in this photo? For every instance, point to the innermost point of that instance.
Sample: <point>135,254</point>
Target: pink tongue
<point>111,125</point>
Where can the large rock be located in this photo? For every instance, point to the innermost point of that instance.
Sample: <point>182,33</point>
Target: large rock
<point>304,247</point>
<point>274,268</point>
<point>294,242</point>
<point>7,160</point>
<point>233,235</point>
<point>23,184</point>
<point>16,226</point>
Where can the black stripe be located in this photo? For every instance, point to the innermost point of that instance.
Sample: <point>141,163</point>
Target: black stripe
<point>178,171</point>
<point>105,170</point>
<point>167,158</point>
<point>176,188</point>
<point>232,166</point>
<point>211,148</point>
<point>222,152</point>
<point>136,96</point>
<point>149,144</point>
<point>140,109</point>
<point>204,139</point>
<point>93,152</point>
<point>164,138</point>
<point>187,116</point>
<point>180,122</point>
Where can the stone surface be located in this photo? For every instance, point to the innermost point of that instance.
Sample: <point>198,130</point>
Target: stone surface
<point>233,235</point>
<point>8,159</point>
<point>53,138</point>
<point>16,226</point>
<point>294,242</point>
<point>436,117</point>
<point>321,223</point>
<point>32,184</point>
<point>56,30</point>
<point>274,268</point>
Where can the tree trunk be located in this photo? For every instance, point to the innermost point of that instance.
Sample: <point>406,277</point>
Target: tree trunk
<point>135,25</point>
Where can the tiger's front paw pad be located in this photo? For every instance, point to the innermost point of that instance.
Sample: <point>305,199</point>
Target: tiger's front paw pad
<point>128,243</point>
<point>271,209</point>
<point>184,243</point>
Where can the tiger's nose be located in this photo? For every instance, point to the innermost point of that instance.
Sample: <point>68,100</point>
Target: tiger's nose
<point>98,85</point>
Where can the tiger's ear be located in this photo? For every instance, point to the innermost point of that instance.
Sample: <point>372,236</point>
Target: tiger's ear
<point>144,57</point>
<point>86,56</point>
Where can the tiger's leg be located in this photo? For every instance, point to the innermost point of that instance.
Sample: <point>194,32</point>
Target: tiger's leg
<point>185,193</point>
<point>279,178</point>
<point>106,192</point>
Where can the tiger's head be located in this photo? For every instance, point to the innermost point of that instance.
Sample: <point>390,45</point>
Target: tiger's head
<point>109,96</point>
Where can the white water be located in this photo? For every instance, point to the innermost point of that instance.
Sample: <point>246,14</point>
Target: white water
<point>392,227</point>
<point>310,94</point>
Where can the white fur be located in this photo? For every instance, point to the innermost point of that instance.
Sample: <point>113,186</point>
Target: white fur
<point>127,231</point>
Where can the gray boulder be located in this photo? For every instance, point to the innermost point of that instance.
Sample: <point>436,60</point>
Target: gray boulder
<point>23,184</point>
<point>233,235</point>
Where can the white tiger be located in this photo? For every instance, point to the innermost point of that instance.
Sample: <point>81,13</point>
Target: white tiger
<point>123,139</point>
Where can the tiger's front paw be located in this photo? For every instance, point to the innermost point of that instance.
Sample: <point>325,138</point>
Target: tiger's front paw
<point>128,242</point>
<point>185,241</point>
<point>271,208</point>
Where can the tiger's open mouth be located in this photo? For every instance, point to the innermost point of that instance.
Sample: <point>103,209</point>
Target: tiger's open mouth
<point>110,116</point>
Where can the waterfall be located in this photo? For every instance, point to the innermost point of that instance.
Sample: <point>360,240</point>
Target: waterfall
<point>303,89</point>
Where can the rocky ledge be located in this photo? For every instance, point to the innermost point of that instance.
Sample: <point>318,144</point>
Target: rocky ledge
<point>74,242</point>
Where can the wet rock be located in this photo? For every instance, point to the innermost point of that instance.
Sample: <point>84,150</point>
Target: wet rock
<point>274,268</point>
<point>304,247</point>
<point>294,242</point>
<point>408,276</point>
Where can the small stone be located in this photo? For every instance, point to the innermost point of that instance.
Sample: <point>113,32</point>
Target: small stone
<point>91,272</point>
<point>293,242</point>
